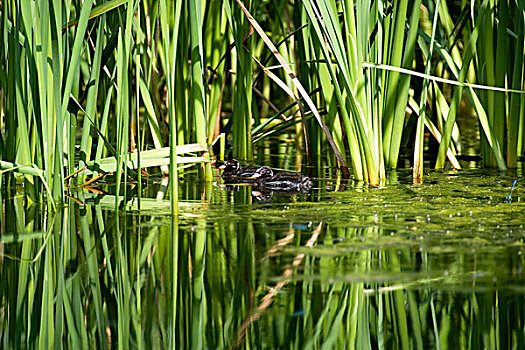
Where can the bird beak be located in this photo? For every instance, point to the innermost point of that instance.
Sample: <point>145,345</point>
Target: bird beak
<point>223,166</point>
<point>254,176</point>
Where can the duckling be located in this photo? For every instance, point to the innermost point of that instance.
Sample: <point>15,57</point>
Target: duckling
<point>284,181</point>
<point>234,171</point>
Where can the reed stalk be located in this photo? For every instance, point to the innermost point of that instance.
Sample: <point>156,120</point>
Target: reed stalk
<point>128,75</point>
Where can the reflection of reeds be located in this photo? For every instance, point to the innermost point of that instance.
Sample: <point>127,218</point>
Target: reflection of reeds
<point>267,299</point>
<point>280,244</point>
<point>88,275</point>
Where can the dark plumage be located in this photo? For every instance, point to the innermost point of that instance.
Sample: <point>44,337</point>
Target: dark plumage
<point>234,171</point>
<point>283,182</point>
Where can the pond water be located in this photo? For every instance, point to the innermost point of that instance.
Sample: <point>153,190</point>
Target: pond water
<point>437,265</point>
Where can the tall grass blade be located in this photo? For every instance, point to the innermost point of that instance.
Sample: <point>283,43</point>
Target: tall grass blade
<point>417,174</point>
<point>516,115</point>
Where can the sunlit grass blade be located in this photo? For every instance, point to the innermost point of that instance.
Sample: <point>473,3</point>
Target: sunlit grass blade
<point>97,11</point>
<point>91,101</point>
<point>197,95</point>
<point>417,174</point>
<point>153,121</point>
<point>151,158</point>
<point>396,87</point>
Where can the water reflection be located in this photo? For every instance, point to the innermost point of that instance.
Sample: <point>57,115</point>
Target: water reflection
<point>402,266</point>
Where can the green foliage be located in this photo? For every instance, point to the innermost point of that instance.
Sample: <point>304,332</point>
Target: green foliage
<point>80,81</point>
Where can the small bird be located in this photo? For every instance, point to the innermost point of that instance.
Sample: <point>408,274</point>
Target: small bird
<point>283,182</point>
<point>234,171</point>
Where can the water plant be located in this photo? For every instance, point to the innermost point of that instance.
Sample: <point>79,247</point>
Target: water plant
<point>364,80</point>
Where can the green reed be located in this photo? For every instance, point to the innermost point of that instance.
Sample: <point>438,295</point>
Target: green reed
<point>83,81</point>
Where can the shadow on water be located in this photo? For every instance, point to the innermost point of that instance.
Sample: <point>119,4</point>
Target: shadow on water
<point>437,265</point>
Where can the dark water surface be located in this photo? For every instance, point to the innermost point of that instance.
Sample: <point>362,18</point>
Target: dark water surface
<point>438,265</point>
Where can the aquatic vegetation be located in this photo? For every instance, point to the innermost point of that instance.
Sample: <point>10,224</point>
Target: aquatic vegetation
<point>364,81</point>
<point>401,265</point>
<point>345,87</point>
